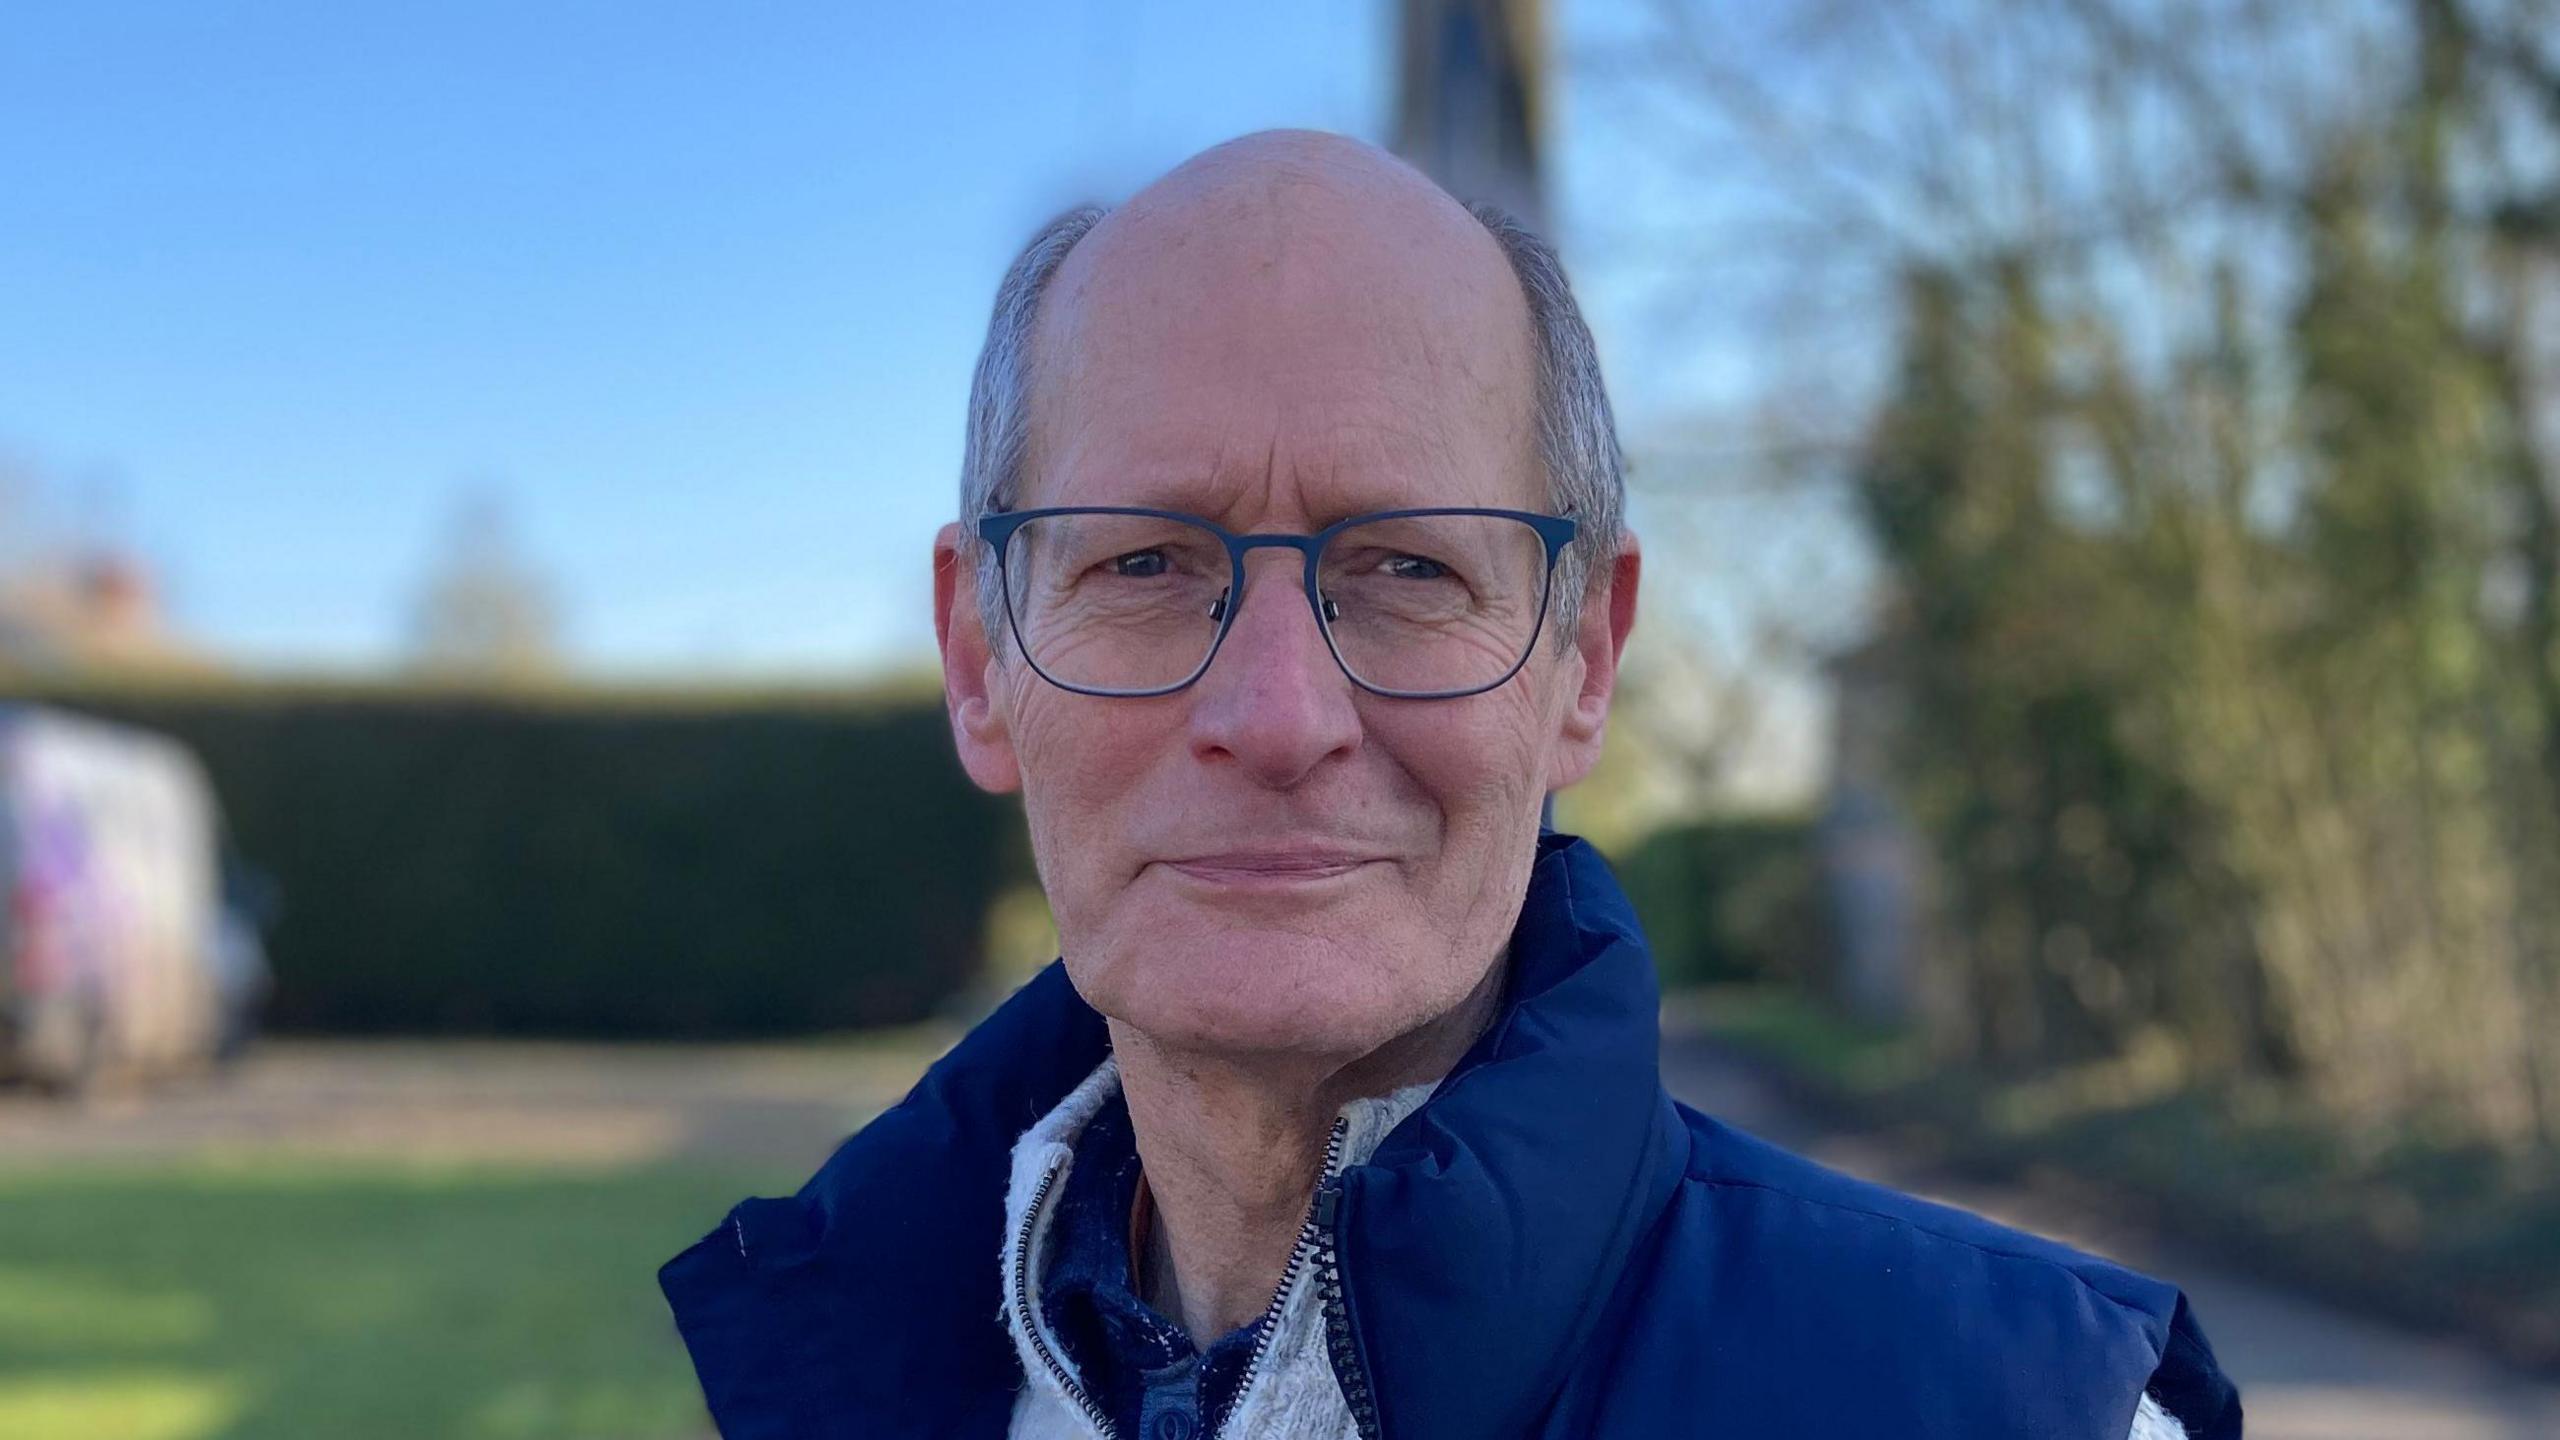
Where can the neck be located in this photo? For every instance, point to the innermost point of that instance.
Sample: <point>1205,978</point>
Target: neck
<point>1231,1152</point>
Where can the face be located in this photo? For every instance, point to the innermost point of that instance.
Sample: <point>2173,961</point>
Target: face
<point>1274,861</point>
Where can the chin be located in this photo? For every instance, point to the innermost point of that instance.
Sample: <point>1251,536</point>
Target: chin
<point>1249,990</point>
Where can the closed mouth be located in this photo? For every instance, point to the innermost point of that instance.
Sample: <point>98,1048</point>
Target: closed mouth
<point>1270,867</point>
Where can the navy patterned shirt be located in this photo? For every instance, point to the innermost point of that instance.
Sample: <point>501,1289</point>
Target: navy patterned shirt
<point>1137,1364</point>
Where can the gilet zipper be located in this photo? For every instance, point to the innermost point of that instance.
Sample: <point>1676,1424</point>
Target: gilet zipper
<point>1341,1347</point>
<point>1316,1241</point>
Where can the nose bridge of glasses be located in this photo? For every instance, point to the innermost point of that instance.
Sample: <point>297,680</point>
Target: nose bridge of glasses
<point>1299,575</point>
<point>1304,546</point>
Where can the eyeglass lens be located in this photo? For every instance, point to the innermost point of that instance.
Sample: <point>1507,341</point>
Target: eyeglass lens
<point>1418,604</point>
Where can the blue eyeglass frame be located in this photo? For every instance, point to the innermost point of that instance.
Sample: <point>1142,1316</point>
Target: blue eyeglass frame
<point>1556,531</point>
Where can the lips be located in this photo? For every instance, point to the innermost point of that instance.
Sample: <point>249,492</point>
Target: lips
<point>1271,866</point>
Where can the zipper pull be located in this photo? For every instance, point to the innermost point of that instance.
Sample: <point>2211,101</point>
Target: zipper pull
<point>1328,1197</point>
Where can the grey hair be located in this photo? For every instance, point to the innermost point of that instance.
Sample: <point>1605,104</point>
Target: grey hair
<point>1576,429</point>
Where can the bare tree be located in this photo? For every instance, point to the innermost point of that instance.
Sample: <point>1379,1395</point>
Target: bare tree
<point>2180,357</point>
<point>484,611</point>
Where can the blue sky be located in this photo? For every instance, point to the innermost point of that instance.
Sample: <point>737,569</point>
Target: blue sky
<point>695,288</point>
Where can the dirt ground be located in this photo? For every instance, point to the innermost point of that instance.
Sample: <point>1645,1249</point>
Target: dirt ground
<point>2307,1372</point>
<point>599,1106</point>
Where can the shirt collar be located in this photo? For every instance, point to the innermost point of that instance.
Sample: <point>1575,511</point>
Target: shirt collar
<point>1089,1292</point>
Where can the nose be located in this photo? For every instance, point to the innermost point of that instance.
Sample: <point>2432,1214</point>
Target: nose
<point>1274,701</point>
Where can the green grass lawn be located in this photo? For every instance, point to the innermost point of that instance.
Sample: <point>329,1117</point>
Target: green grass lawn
<point>260,1300</point>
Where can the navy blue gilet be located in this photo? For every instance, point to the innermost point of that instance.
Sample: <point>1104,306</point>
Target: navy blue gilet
<point>1550,1246</point>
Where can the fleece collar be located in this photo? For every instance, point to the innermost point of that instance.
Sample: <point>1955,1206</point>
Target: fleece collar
<point>1290,1394</point>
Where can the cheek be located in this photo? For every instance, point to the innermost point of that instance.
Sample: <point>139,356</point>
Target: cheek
<point>1083,761</point>
<point>1480,759</point>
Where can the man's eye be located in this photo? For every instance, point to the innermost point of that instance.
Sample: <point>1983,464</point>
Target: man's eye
<point>1416,567</point>
<point>1138,564</point>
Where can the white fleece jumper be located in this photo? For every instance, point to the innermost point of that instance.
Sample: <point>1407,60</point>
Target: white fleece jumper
<point>1291,1394</point>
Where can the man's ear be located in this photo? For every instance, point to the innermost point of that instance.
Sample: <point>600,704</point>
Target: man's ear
<point>1608,615</point>
<point>978,727</point>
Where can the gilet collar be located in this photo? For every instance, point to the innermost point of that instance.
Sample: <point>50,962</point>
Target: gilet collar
<point>1481,1240</point>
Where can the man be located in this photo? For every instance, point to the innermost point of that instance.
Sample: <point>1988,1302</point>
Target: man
<point>1291,578</point>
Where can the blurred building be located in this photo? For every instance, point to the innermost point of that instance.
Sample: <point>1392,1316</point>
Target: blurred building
<point>1874,870</point>
<point>95,609</point>
<point>1468,89</point>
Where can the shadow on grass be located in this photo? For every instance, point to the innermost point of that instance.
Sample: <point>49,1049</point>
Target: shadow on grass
<point>275,1301</point>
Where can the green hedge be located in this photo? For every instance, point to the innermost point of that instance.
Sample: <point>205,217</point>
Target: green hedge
<point>1730,898</point>
<point>596,862</point>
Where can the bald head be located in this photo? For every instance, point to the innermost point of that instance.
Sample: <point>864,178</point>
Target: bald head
<point>1279,286</point>
<point>1329,283</point>
<point>1294,219</point>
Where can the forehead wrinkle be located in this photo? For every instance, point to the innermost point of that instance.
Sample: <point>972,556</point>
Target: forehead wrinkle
<point>1328,465</point>
<point>1325,461</point>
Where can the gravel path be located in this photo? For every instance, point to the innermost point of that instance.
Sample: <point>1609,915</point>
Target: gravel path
<point>2306,1372</point>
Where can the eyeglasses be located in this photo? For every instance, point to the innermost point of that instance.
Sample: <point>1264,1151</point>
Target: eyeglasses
<point>1424,604</point>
